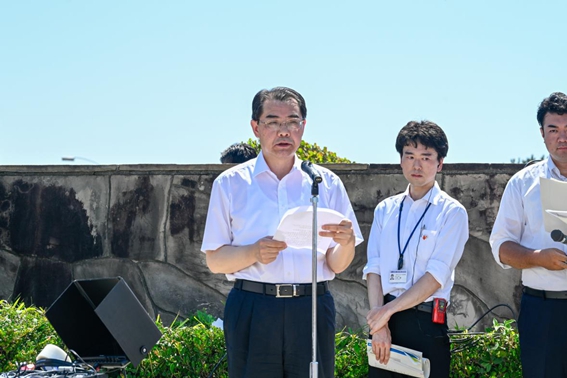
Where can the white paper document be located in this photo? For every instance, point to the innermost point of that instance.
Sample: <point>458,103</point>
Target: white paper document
<point>296,227</point>
<point>554,204</point>
<point>402,360</point>
<point>561,215</point>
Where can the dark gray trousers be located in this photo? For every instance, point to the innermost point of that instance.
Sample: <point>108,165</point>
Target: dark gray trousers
<point>271,337</point>
<point>543,337</point>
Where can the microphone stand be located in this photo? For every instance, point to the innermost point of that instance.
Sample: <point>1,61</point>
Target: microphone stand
<point>313,367</point>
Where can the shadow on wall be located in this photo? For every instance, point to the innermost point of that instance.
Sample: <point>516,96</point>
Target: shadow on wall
<point>48,227</point>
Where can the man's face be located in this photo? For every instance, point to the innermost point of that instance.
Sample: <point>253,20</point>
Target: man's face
<point>554,133</point>
<point>420,165</point>
<point>280,142</point>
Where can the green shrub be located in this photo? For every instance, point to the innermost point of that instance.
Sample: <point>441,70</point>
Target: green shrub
<point>350,355</point>
<point>190,348</point>
<point>193,347</point>
<point>24,332</point>
<point>495,353</point>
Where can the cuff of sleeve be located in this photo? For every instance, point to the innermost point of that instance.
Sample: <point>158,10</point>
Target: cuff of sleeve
<point>210,247</point>
<point>496,253</point>
<point>374,268</point>
<point>440,271</point>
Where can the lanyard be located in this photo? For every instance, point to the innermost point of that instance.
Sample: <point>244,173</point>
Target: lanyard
<point>401,259</point>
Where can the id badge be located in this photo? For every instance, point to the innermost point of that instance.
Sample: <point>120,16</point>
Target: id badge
<point>398,276</point>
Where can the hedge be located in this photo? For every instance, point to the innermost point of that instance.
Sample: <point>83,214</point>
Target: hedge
<point>193,348</point>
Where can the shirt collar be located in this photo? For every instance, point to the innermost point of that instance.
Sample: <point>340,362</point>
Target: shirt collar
<point>261,166</point>
<point>431,196</point>
<point>553,171</point>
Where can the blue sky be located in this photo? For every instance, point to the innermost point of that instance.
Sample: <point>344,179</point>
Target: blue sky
<point>135,82</point>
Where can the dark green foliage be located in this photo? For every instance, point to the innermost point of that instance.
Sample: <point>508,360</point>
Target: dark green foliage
<point>350,355</point>
<point>310,152</point>
<point>24,332</point>
<point>187,349</point>
<point>495,353</point>
<point>193,347</point>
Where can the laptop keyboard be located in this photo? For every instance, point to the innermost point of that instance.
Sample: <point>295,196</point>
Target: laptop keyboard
<point>106,361</point>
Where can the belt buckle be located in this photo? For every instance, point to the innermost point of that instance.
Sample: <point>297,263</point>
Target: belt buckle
<point>293,292</point>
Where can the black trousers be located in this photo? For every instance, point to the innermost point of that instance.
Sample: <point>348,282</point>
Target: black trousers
<point>271,337</point>
<point>543,337</point>
<point>414,329</point>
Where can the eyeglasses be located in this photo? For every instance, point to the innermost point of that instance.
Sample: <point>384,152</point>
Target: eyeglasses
<point>292,125</point>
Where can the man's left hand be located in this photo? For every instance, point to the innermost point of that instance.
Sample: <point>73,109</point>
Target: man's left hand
<point>341,233</point>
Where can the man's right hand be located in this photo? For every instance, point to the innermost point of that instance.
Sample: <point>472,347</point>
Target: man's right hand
<point>381,342</point>
<point>552,259</point>
<point>266,250</point>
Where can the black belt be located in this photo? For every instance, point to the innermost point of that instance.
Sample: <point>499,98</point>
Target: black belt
<point>280,290</point>
<point>545,294</point>
<point>425,306</point>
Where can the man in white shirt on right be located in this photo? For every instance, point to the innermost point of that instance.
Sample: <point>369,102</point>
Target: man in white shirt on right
<point>519,240</point>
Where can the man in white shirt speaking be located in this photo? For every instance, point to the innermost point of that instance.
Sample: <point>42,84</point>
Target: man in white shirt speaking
<point>267,320</point>
<point>416,240</point>
<point>519,240</point>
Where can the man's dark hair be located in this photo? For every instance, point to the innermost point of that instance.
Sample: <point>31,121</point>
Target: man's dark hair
<point>555,103</point>
<point>277,94</point>
<point>238,153</point>
<point>425,132</point>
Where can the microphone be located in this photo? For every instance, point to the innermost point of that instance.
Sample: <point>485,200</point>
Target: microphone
<point>559,236</point>
<point>307,167</point>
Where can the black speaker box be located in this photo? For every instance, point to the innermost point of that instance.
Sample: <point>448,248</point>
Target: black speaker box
<point>103,317</point>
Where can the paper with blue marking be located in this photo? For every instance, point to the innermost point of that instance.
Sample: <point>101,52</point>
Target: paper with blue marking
<point>402,360</point>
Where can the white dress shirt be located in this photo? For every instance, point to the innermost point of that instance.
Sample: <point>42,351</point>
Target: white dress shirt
<point>248,202</point>
<point>435,247</point>
<point>520,219</point>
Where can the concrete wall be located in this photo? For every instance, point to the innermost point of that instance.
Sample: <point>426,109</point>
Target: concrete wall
<point>145,223</point>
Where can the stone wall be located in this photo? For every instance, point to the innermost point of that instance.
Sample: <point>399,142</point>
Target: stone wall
<point>145,223</point>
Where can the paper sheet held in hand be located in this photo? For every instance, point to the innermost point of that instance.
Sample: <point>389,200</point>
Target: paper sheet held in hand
<point>553,194</point>
<point>296,227</point>
<point>402,360</point>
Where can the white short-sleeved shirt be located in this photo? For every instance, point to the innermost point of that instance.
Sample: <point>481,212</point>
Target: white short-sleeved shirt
<point>435,247</point>
<point>248,202</point>
<point>520,220</point>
